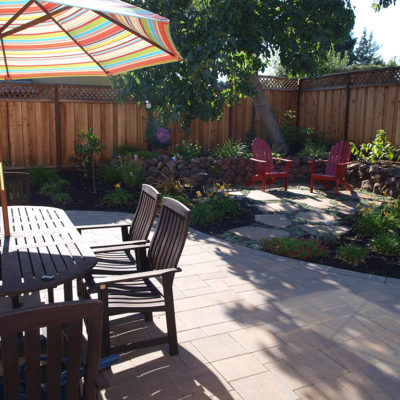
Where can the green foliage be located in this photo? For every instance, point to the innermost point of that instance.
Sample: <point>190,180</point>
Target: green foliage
<point>170,186</point>
<point>54,187</point>
<point>61,199</point>
<point>146,153</point>
<point>387,244</point>
<point>86,148</point>
<point>188,150</point>
<point>233,40</point>
<point>300,248</point>
<point>314,150</point>
<point>351,254</point>
<point>119,197</point>
<point>110,173</point>
<point>232,148</point>
<point>40,175</point>
<point>379,149</point>
<point>131,172</point>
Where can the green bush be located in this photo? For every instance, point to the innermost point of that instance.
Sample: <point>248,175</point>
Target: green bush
<point>300,248</point>
<point>110,174</point>
<point>214,206</point>
<point>40,175</point>
<point>351,254</point>
<point>387,244</point>
<point>232,148</point>
<point>379,149</point>
<point>188,150</point>
<point>314,150</point>
<point>55,187</point>
<point>61,199</point>
<point>119,197</point>
<point>373,221</point>
<point>131,172</point>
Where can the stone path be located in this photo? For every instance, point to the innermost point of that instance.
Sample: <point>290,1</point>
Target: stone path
<point>296,212</point>
<point>252,325</point>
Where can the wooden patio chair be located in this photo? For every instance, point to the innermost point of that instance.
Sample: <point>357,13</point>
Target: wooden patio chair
<point>136,232</point>
<point>264,163</point>
<point>136,293</point>
<point>339,158</point>
<point>17,186</point>
<point>56,374</point>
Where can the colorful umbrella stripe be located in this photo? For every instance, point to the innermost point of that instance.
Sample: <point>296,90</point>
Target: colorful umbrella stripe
<point>61,38</point>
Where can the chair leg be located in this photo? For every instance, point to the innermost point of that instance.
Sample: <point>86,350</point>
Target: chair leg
<point>336,187</point>
<point>170,315</point>
<point>312,184</point>
<point>105,345</point>
<point>348,186</point>
<point>263,185</point>
<point>148,316</point>
<point>286,183</point>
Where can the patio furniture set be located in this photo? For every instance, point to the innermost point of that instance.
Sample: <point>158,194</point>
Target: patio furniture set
<point>45,250</point>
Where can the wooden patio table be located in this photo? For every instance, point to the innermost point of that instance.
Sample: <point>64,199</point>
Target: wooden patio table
<point>43,251</point>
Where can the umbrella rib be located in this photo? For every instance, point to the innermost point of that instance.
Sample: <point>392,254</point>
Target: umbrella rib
<point>121,25</point>
<point>32,23</point>
<point>5,58</point>
<point>15,16</point>
<point>74,40</point>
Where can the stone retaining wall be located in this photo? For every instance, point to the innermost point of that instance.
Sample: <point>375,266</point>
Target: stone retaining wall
<point>377,178</point>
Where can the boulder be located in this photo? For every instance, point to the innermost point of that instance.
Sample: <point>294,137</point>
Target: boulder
<point>367,184</point>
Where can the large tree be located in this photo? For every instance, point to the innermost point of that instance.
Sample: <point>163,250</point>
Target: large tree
<point>366,51</point>
<point>224,44</point>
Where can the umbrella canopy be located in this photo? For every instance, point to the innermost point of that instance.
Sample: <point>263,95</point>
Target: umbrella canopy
<point>78,38</point>
<point>82,38</point>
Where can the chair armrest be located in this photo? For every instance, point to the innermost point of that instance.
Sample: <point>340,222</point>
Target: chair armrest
<point>344,163</point>
<point>135,276</point>
<point>314,162</point>
<point>128,245</point>
<point>258,161</point>
<point>101,226</point>
<point>285,160</point>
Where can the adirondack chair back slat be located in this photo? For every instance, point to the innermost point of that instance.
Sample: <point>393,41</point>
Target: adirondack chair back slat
<point>262,151</point>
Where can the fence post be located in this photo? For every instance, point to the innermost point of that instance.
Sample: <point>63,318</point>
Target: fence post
<point>57,128</point>
<point>298,102</point>
<point>346,119</point>
<point>230,126</point>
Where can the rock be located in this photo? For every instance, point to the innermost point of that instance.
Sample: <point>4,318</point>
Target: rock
<point>394,172</point>
<point>373,169</point>
<point>392,192</point>
<point>153,172</point>
<point>390,181</point>
<point>228,176</point>
<point>367,184</point>
<point>200,177</point>
<point>378,187</point>
<point>239,179</point>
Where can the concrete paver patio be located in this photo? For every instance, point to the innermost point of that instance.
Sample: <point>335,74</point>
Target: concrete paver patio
<point>252,325</point>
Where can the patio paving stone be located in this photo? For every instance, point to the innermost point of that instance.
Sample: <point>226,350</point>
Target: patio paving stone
<point>279,207</point>
<point>259,195</point>
<point>317,203</point>
<point>275,220</point>
<point>315,216</point>
<point>256,233</point>
<point>324,229</point>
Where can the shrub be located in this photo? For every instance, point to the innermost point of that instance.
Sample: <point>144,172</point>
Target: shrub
<point>314,150</point>
<point>188,150</point>
<point>110,174</point>
<point>61,199</point>
<point>40,175</point>
<point>351,254</point>
<point>231,148</point>
<point>387,244</point>
<point>131,172</point>
<point>119,197</point>
<point>86,147</point>
<point>213,206</point>
<point>303,248</point>
<point>55,187</point>
<point>170,186</point>
<point>379,149</point>
<point>373,221</point>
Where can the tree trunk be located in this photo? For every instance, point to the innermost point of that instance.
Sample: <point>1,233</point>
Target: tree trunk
<point>267,117</point>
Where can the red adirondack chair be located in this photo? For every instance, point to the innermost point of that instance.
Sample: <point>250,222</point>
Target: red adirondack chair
<point>264,162</point>
<point>335,168</point>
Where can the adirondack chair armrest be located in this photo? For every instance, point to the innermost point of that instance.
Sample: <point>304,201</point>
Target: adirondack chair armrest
<point>314,162</point>
<point>135,276</point>
<point>123,246</point>
<point>345,163</point>
<point>258,161</point>
<point>287,162</point>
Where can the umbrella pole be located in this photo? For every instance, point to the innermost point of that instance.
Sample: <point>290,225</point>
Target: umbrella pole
<point>3,199</point>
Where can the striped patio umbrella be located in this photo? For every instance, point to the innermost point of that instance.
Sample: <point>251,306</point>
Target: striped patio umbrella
<point>78,38</point>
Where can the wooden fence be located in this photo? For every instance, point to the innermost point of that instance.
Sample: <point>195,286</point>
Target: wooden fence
<point>39,123</point>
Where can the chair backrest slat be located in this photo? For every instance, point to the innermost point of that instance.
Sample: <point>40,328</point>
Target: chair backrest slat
<point>145,213</point>
<point>262,151</point>
<point>170,235</point>
<point>64,327</point>
<point>17,187</point>
<point>339,153</point>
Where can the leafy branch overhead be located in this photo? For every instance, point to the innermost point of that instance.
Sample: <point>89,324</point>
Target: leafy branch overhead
<point>225,42</point>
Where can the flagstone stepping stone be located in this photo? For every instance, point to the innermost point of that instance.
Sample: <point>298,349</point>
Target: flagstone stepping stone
<point>304,192</point>
<point>345,209</point>
<point>315,216</point>
<point>257,233</point>
<point>321,204</point>
<point>275,220</point>
<point>261,196</point>
<point>324,229</point>
<point>279,207</point>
